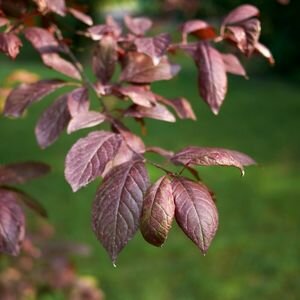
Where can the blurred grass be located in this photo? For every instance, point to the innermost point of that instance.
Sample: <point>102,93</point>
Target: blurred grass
<point>256,252</point>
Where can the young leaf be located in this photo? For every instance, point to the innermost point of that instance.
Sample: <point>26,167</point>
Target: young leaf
<point>138,26</point>
<point>78,101</point>
<point>42,40</point>
<point>139,95</point>
<point>22,172</point>
<point>88,157</point>
<point>233,65</point>
<point>46,44</point>
<point>85,120</point>
<point>154,47</point>
<point>212,77</point>
<point>240,14</point>
<point>195,211</point>
<point>30,202</point>
<point>204,156</point>
<point>57,6</point>
<point>52,122</point>
<point>97,32</point>
<point>159,112</point>
<point>104,59</point>
<point>134,142</point>
<point>158,212</point>
<point>181,106</point>
<point>59,64</point>
<point>81,16</point>
<point>264,51</point>
<point>199,28</point>
<point>10,44</point>
<point>118,205</point>
<point>12,223</point>
<point>139,68</point>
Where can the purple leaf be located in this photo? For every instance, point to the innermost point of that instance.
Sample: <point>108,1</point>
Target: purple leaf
<point>158,212</point>
<point>118,205</point>
<point>198,28</point>
<point>59,64</point>
<point>159,112</point>
<point>154,47</point>
<point>46,44</point>
<point>134,142</point>
<point>117,29</point>
<point>57,6</point>
<point>12,223</point>
<point>30,202</point>
<point>139,95</point>
<point>26,94</point>
<point>139,68</point>
<point>204,156</point>
<point>85,120</point>
<point>104,59</point>
<point>138,26</point>
<point>52,122</point>
<point>81,16</point>
<point>264,51</point>
<point>240,14</point>
<point>233,65</point>
<point>212,77</point>
<point>42,40</point>
<point>78,101</point>
<point>22,172</point>
<point>195,211</point>
<point>10,44</point>
<point>162,152</point>
<point>88,157</point>
<point>97,32</point>
<point>181,106</point>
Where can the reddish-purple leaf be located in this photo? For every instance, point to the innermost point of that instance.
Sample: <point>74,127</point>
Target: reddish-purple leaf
<point>12,223</point>
<point>237,35</point>
<point>46,44</point>
<point>56,6</point>
<point>30,202</point>
<point>52,122</point>
<point>59,64</point>
<point>42,40</point>
<point>85,120</point>
<point>118,205</point>
<point>81,16</point>
<point>264,51</point>
<point>88,157</point>
<point>212,76</point>
<point>195,211</point>
<point>240,14</point>
<point>139,95</point>
<point>10,44</point>
<point>204,156</point>
<point>3,21</point>
<point>233,65</point>
<point>199,28</point>
<point>138,26</point>
<point>154,47</point>
<point>97,32</point>
<point>158,111</point>
<point>162,152</point>
<point>22,172</point>
<point>104,59</point>
<point>252,29</point>
<point>78,101</point>
<point>26,94</point>
<point>181,106</point>
<point>134,142</point>
<point>139,68</point>
<point>115,26</point>
<point>158,212</point>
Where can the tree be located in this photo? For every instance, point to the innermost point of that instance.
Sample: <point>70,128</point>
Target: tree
<point>125,200</point>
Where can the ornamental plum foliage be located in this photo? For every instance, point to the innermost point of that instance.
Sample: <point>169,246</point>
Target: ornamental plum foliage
<point>126,60</point>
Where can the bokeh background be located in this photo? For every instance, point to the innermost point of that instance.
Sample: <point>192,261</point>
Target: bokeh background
<point>256,252</point>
